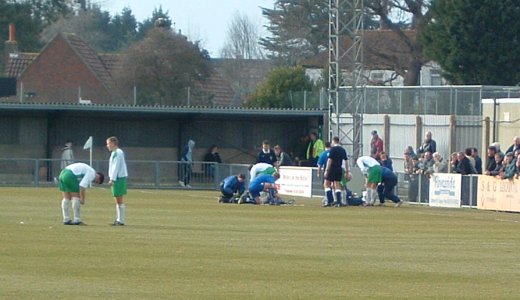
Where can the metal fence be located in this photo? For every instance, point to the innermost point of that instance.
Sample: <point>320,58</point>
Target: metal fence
<point>415,100</point>
<point>207,176</point>
<point>142,173</point>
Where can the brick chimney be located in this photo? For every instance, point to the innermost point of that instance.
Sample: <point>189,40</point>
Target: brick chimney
<point>11,46</point>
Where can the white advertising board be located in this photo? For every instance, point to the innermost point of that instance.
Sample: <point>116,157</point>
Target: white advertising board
<point>445,190</point>
<point>295,181</point>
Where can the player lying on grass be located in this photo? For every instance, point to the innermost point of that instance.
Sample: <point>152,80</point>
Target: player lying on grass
<point>231,186</point>
<point>73,182</point>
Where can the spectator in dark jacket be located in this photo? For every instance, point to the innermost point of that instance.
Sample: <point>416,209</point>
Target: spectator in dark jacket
<point>211,158</point>
<point>499,157</point>
<point>478,160</point>
<point>515,146</point>
<point>283,158</point>
<point>464,166</point>
<point>266,155</point>
<point>429,144</point>
<point>491,163</point>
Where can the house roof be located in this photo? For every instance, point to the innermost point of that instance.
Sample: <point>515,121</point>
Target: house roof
<point>104,66</point>
<point>383,50</point>
<point>17,63</point>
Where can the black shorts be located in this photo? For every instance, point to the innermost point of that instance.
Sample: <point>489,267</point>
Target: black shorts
<point>334,174</point>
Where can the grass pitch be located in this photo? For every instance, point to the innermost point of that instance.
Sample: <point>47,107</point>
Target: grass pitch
<point>184,245</point>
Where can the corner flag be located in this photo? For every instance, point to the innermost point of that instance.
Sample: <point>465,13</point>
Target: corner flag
<point>88,143</point>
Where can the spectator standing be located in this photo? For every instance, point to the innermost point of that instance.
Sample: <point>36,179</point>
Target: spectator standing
<point>386,161</point>
<point>439,165</point>
<point>499,159</point>
<point>211,159</point>
<point>518,165</point>
<point>454,162</point>
<point>314,149</point>
<point>409,150</point>
<point>186,164</point>
<point>67,155</point>
<point>478,160</point>
<point>515,146</point>
<point>118,174</point>
<point>491,163</point>
<point>427,164</point>
<point>73,181</point>
<point>283,158</point>
<point>230,186</point>
<point>376,146</point>
<point>429,144</point>
<point>266,155</point>
<point>509,169</point>
<point>464,166</point>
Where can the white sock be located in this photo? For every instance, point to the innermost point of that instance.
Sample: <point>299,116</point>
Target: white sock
<point>120,208</point>
<point>369,196</point>
<point>76,207</point>
<point>65,208</point>
<point>374,196</point>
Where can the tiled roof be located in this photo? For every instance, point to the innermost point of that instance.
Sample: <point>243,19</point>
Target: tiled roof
<point>18,62</point>
<point>89,57</point>
<point>215,88</point>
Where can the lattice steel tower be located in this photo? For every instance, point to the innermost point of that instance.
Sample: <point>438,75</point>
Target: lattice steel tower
<point>346,71</point>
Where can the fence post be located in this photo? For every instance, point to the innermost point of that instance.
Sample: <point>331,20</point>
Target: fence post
<point>37,173</point>
<point>418,131</point>
<point>386,131</point>
<point>452,142</point>
<point>157,175</point>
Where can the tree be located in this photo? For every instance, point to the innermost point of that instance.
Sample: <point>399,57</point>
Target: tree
<point>299,29</point>
<point>101,31</point>
<point>274,91</point>
<point>162,67</point>
<point>242,39</point>
<point>394,15</point>
<point>475,42</point>
<point>242,61</point>
<point>92,25</point>
<point>149,24</point>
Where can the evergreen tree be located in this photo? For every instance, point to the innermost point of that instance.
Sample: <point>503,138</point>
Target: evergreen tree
<point>475,42</point>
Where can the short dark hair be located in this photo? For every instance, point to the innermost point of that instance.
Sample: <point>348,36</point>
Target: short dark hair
<point>327,144</point>
<point>241,176</point>
<point>101,177</point>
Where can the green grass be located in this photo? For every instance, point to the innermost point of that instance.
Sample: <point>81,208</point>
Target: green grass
<point>184,245</point>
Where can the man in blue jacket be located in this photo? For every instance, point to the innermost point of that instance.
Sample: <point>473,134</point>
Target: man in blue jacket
<point>230,186</point>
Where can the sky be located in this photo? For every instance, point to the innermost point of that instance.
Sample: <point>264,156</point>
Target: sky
<point>204,20</point>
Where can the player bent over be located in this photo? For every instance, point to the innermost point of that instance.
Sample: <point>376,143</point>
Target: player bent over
<point>386,189</point>
<point>371,169</point>
<point>231,185</point>
<point>262,183</point>
<point>73,182</point>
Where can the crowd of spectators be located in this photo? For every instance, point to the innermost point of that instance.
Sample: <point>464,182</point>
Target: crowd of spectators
<point>425,162</point>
